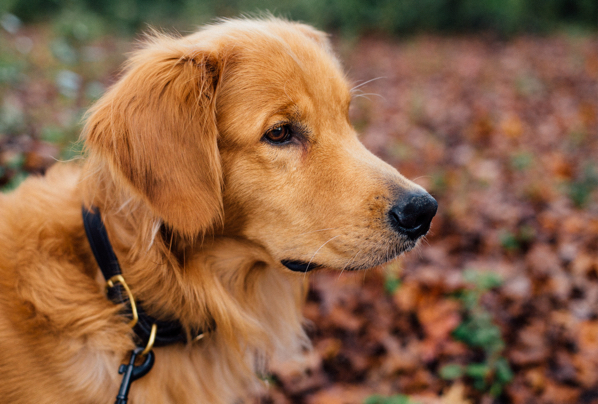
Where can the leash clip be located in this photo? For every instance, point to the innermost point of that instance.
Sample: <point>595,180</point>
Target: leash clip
<point>131,373</point>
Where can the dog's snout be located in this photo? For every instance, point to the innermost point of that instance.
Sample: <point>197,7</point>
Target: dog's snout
<point>412,214</point>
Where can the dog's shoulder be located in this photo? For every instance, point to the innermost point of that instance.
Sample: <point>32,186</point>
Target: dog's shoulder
<point>40,198</point>
<point>41,218</point>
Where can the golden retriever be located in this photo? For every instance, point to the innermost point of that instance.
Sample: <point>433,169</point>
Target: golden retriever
<point>224,167</point>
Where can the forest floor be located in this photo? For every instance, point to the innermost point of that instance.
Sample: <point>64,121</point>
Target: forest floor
<point>499,304</point>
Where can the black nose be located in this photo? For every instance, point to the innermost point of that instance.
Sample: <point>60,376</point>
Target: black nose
<point>412,214</point>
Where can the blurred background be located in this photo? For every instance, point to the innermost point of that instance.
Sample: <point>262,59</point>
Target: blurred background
<point>492,105</point>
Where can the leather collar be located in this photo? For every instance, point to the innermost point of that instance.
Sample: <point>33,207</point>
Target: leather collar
<point>168,332</point>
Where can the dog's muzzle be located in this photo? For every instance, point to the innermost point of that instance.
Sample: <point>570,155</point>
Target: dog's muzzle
<point>410,216</point>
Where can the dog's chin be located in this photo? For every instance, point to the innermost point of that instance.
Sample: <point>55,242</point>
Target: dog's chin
<point>374,261</point>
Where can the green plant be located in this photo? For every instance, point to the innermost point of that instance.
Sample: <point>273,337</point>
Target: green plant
<point>396,399</point>
<point>392,280</point>
<point>513,241</point>
<point>581,189</point>
<point>350,17</point>
<point>522,161</point>
<point>478,331</point>
<point>391,284</point>
<point>15,181</point>
<point>509,241</point>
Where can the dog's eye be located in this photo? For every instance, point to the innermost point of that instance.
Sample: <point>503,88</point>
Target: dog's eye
<point>279,135</point>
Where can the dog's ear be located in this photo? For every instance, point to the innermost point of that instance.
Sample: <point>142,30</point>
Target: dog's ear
<point>157,129</point>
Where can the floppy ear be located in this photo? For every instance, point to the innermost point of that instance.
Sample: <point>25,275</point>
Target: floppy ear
<point>157,128</point>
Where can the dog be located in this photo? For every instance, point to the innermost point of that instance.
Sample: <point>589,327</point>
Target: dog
<point>224,167</point>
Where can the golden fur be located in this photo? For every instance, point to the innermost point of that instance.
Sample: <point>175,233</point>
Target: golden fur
<point>200,211</point>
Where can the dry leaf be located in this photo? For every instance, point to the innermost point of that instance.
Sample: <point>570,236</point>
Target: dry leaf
<point>455,395</point>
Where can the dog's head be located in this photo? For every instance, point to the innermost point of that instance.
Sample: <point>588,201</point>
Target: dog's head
<point>242,129</point>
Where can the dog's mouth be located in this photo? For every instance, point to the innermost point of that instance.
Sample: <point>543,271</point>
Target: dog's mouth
<point>300,266</point>
<point>303,266</point>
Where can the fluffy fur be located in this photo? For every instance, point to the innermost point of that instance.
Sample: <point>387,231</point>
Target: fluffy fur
<point>200,209</point>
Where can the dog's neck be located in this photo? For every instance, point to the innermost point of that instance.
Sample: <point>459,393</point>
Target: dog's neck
<point>212,278</point>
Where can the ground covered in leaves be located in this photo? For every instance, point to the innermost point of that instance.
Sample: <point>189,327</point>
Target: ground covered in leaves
<point>500,303</point>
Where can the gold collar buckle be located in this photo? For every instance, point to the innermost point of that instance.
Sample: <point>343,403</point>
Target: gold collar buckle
<point>119,279</point>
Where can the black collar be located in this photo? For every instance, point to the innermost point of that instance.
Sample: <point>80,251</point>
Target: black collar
<point>168,332</point>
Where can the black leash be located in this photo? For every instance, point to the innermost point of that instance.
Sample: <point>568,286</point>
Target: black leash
<point>149,331</point>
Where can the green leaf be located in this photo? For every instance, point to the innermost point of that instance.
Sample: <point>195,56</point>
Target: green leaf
<point>477,370</point>
<point>469,298</point>
<point>509,241</point>
<point>399,399</point>
<point>72,151</point>
<point>452,371</point>
<point>377,399</point>
<point>483,280</point>
<point>15,161</point>
<point>15,181</point>
<point>503,371</point>
<point>52,134</point>
<point>496,389</point>
<point>522,161</point>
<point>396,399</point>
<point>391,284</point>
<point>479,384</point>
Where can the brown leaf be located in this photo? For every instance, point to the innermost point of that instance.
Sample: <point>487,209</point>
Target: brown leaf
<point>587,369</point>
<point>542,259</point>
<point>561,168</point>
<point>560,394</point>
<point>512,126</point>
<point>455,395</point>
<point>300,375</point>
<point>532,348</point>
<point>588,337</point>
<point>407,296</point>
<point>329,347</point>
<point>438,319</point>
<point>340,394</point>
<point>536,379</point>
<point>399,359</point>
<point>584,263</point>
<point>341,318</point>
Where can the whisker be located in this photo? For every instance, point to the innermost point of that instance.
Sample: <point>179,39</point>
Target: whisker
<point>347,264</point>
<point>312,257</point>
<point>425,240</point>
<point>315,231</point>
<point>74,158</point>
<point>361,96</point>
<point>364,95</point>
<point>366,82</point>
